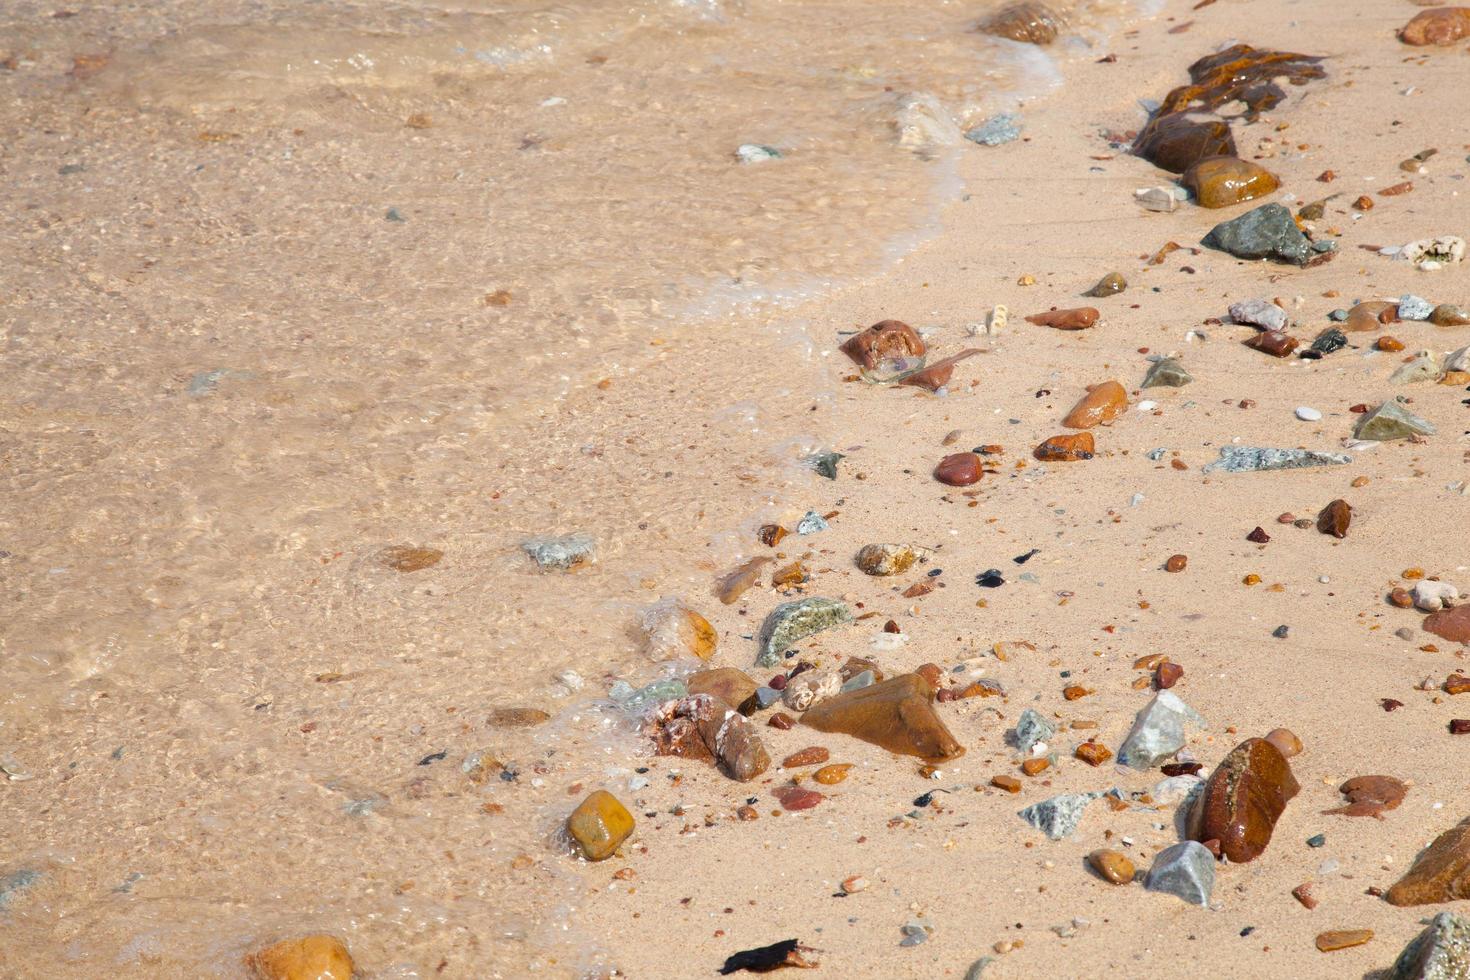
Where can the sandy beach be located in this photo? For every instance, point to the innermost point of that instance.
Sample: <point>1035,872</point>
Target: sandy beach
<point>234,715</point>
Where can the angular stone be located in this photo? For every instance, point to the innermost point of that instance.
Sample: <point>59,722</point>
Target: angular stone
<point>1458,360</point>
<point>406,558</point>
<point>1267,232</point>
<point>562,551</point>
<point>1112,866</point>
<point>1335,518</point>
<point>735,583</point>
<point>1158,731</point>
<point>1093,753</point>
<point>889,559</point>
<point>1186,870</point>
<point>1004,128</point>
<point>1178,141</point>
<point>1079,318</point>
<point>1329,340</point>
<point>1166,372</point>
<point>959,469</point>
<point>1273,342</point>
<point>810,756</point>
<point>896,714</point>
<point>924,124</point>
<point>1370,796</point>
<point>599,825</point>
<point>1413,307</point>
<point>1440,26</point>
<point>824,464</point>
<point>734,741</point>
<point>1256,459</point>
<point>1440,952</point>
<point>1441,873</point>
<point>793,621</point>
<point>1243,799</point>
<point>316,957</point>
<point>936,375</point>
<point>1031,728</point>
<point>1065,448</point>
<point>883,341</point>
<point>725,684</point>
<point>1259,313</point>
<point>1109,285</point>
<point>517,718</point>
<point>1059,816</point>
<point>672,630</point>
<point>1450,624</point>
<point>1337,939</point>
<point>1219,182</point>
<point>1027,22</point>
<point>1102,403</point>
<point>1161,199</point>
<point>1392,420</point>
<point>1424,367</point>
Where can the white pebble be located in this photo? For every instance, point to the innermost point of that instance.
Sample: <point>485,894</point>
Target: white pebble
<point>1307,414</point>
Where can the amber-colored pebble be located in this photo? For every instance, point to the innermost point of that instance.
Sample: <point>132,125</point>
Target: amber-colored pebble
<point>1456,684</point>
<point>931,673</point>
<point>1112,866</point>
<point>1360,481</point>
<point>1008,783</point>
<point>748,813</point>
<point>1149,661</point>
<point>1387,343</point>
<point>810,756</point>
<point>1343,939</point>
<point>1093,753</point>
<point>1176,563</point>
<point>1363,203</point>
<point>833,774</point>
<point>770,535</point>
<point>1178,464</point>
<point>1402,598</point>
<point>1252,579</point>
<point>1412,574</point>
<point>1074,691</point>
<point>1032,767</point>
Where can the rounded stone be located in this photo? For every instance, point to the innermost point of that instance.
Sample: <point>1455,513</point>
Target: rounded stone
<point>1286,743</point>
<point>1218,182</point>
<point>959,469</point>
<point>1112,866</point>
<point>316,957</point>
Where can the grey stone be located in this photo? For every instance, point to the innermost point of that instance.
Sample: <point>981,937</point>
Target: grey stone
<point>1267,232</point>
<point>766,696</point>
<point>1329,340</point>
<point>1253,459</point>
<point>858,681</point>
<point>1259,313</point>
<point>1157,453</point>
<point>1392,420</point>
<point>15,882</point>
<point>1167,372</point>
<point>1157,199</point>
<point>793,621</point>
<point>1413,307</point>
<point>1424,367</point>
<point>756,153</point>
<point>811,523</point>
<point>1032,728</point>
<point>561,551</point>
<point>1059,816</point>
<point>977,968</point>
<point>1440,952</point>
<point>825,463</point>
<point>1185,870</point>
<point>1158,731</point>
<point>996,130</point>
<point>1338,315</point>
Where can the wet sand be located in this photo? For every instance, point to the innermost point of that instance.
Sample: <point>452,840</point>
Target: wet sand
<point>258,773</point>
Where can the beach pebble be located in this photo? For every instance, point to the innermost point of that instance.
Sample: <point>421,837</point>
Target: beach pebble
<point>1259,313</point>
<point>1112,866</point>
<point>1157,199</point>
<point>1432,596</point>
<point>1440,952</point>
<point>1307,414</point>
<point>316,957</point>
<point>756,153</point>
<point>1059,816</point>
<point>1413,307</point>
<point>1185,870</point>
<point>1158,731</point>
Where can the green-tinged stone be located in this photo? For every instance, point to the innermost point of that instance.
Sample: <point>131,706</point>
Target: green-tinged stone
<point>793,621</point>
<point>1392,421</point>
<point>825,463</point>
<point>562,551</point>
<point>1267,232</point>
<point>599,824</point>
<point>1255,459</point>
<point>1109,285</point>
<point>1167,372</point>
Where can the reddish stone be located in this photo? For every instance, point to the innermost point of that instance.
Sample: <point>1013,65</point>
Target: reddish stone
<point>896,714</point>
<point>959,469</point>
<point>1441,873</point>
<point>937,375</point>
<point>1176,563</point>
<point>931,673</point>
<point>1258,536</point>
<point>1390,704</point>
<point>1065,449</point>
<point>1402,598</point>
<point>883,340</point>
<point>782,721</point>
<point>1460,726</point>
<point>1369,796</point>
<point>1093,753</point>
<point>1243,799</point>
<point>1335,518</point>
<point>797,798</point>
<point>1102,403</point>
<point>1180,768</point>
<point>1074,319</point>
<point>1451,624</point>
<point>1277,343</point>
<point>1167,675</point>
<point>811,756</point>
<point>1439,26</point>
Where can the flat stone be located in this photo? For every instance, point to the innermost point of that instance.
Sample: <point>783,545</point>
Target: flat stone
<point>1102,403</point>
<point>1267,232</point>
<point>1066,448</point>
<point>1158,731</point>
<point>1440,26</point>
<point>1166,372</point>
<point>599,824</point>
<point>1390,421</point>
<point>1027,22</point>
<point>407,558</point>
<point>1371,315</point>
<point>1079,318</point>
<point>996,130</point>
<point>517,717</point>
<point>1255,459</point>
<point>1440,952</point>
<point>561,551</point>
<point>896,714</point>
<point>889,559</point>
<point>1161,199</point>
<point>756,153</point>
<point>1259,313</point>
<point>1450,624</point>
<point>316,957</point>
<point>1458,360</point>
<point>1185,870</point>
<point>1243,799</point>
<point>1031,728</point>
<point>1449,315</point>
<point>936,375</point>
<point>1370,796</point>
<point>1059,816</point>
<point>1337,939</point>
<point>1219,182</point>
<point>791,622</point>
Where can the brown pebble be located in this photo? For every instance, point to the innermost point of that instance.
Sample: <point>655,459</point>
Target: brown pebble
<point>1277,343</point>
<point>1391,344</point>
<point>1370,796</point>
<point>1286,743</point>
<point>1460,726</point>
<point>810,756</point>
<point>748,813</point>
<point>1259,536</point>
<point>1167,675</point>
<point>1402,598</point>
<point>1176,563</point>
<point>1102,403</point>
<point>1303,893</point>
<point>1112,866</point>
<point>1390,704</point>
<point>1076,319</point>
<point>1343,939</point>
<point>782,721</point>
<point>1456,684</point>
<point>1066,448</point>
<point>1008,783</point>
<point>931,673</point>
<point>1074,691</point>
<point>958,470</point>
<point>1335,518</point>
<point>1033,767</point>
<point>1363,203</point>
<point>1093,753</point>
<point>316,957</point>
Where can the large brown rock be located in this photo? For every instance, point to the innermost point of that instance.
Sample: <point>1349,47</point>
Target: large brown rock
<point>1027,22</point>
<point>1218,182</point>
<point>1243,799</point>
<point>1102,403</point>
<point>1450,624</point>
<point>1441,25</point>
<point>1177,142</point>
<point>883,340</point>
<point>1440,874</point>
<point>735,742</point>
<point>896,714</point>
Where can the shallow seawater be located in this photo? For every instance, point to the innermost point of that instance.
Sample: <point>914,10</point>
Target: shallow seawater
<point>287,284</point>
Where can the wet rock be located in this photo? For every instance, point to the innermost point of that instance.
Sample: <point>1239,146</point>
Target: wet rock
<point>1370,796</point>
<point>1337,939</point>
<point>1273,342</point>
<point>725,684</point>
<point>1102,403</point>
<point>924,124</point>
<point>1186,870</point>
<point>1424,367</point>
<point>315,957</point>
<point>1430,254</point>
<point>1109,285</point>
<point>1166,372</point>
<point>1112,866</point>
<point>1450,624</point>
<point>1440,26</point>
<point>1449,315</point>
<point>796,798</point>
<point>735,584</point>
<point>793,621</point>
<point>1179,141</point>
<point>884,341</point>
<point>1370,315</point>
<point>1267,232</point>
<point>811,523</point>
<point>1219,182</point>
<point>672,630</point>
<point>1389,344</point>
<point>1432,596</point>
<point>825,464</point>
<point>731,738</point>
<point>407,558</point>
<point>809,687</point>
<point>1065,448</point>
<point>811,756</point>
<point>1158,731</point>
<point>1440,952</point>
<point>1329,340</point>
<point>1335,518</point>
<point>1259,313</point>
<point>562,551</point>
<point>599,825</point>
<point>1285,741</point>
<point>1389,421</point>
<point>1059,816</point>
<point>833,774</point>
<point>1254,459</point>
<point>1031,728</point>
<point>938,374</point>
<point>1027,22</point>
<point>517,717</point>
<point>959,469</point>
<point>889,559</point>
<point>1413,307</point>
<point>1243,799</point>
<point>896,714</point>
<point>1004,128</point>
<point>1075,319</point>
